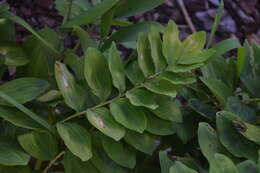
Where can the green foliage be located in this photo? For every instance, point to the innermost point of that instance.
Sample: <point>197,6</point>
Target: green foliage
<point>100,113</point>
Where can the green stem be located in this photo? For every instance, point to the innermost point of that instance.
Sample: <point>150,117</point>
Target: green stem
<point>110,101</point>
<point>251,100</point>
<point>53,161</point>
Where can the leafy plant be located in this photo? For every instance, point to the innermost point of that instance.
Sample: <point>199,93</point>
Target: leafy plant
<point>94,112</point>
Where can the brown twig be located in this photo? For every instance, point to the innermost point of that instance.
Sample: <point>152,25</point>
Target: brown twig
<point>53,161</point>
<point>186,15</point>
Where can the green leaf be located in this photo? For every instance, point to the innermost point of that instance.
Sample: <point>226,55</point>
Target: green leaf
<point>85,38</point>
<point>222,164</point>
<point>76,63</point>
<point>106,22</point>
<point>18,118</point>
<point>39,144</point>
<point>142,141</point>
<point>73,7</point>
<point>23,89</point>
<point>233,141</point>
<point>249,131</point>
<point>196,57</point>
<point>206,110</point>
<point>102,119</point>
<point>6,27</point>
<point>128,35</point>
<point>179,167</point>
<point>141,97</point>
<point>163,87</point>
<point>245,112</point>
<point>178,78</point>
<point>209,142</point>
<point>183,68</point>
<point>156,49</point>
<point>73,164</point>
<point>165,162</point>
<point>42,58</point>
<point>14,55</point>
<point>134,7</point>
<point>218,88</point>
<point>100,159</point>
<point>119,152</point>
<point>187,129</point>
<point>225,46</point>
<point>77,139</point>
<point>20,21</point>
<point>158,126</point>
<point>11,153</point>
<point>97,73</point>
<point>129,116</point>
<point>171,44</point>
<point>91,15</point>
<point>247,166</point>
<point>241,59</point>
<point>168,110</point>
<point>144,55</point>
<point>28,112</point>
<point>134,73</point>
<point>216,23</point>
<point>74,95</point>
<point>116,68</point>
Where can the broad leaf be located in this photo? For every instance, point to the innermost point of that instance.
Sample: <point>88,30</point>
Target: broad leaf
<point>73,164</point>
<point>77,139</point>
<point>171,43</point>
<point>39,144</point>
<point>179,167</point>
<point>76,63</point>
<point>142,142</point>
<point>251,132</point>
<point>222,164</point>
<point>102,119</point>
<point>141,97</point>
<point>18,118</point>
<point>97,73</point>
<point>247,166</point>
<point>144,55</point>
<point>206,110</point>
<point>158,126</point>
<point>23,89</point>
<point>162,87</point>
<point>129,116</point>
<point>101,160</point>
<point>234,142</point>
<point>209,142</point>
<point>11,153</point>
<point>134,73</point>
<point>168,110</point>
<point>119,152</point>
<point>178,78</point>
<point>116,68</point>
<point>74,95</point>
<point>218,88</point>
<point>156,49</point>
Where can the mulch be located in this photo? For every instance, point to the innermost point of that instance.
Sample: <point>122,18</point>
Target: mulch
<point>241,18</point>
